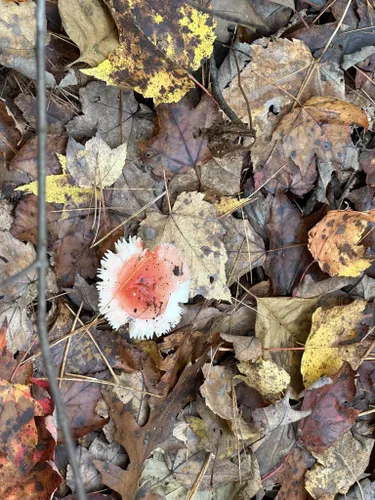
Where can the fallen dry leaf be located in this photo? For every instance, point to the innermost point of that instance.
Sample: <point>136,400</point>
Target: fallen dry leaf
<point>288,257</point>
<point>332,413</point>
<point>266,377</point>
<point>89,24</point>
<point>276,72</point>
<point>58,113</point>
<point>327,346</point>
<point>18,38</point>
<point>179,388</point>
<point>10,135</point>
<point>16,256</point>
<point>159,46</point>
<point>178,147</point>
<point>192,227</point>
<point>102,114</point>
<point>336,468</point>
<point>95,164</point>
<point>320,127</point>
<point>335,242</point>
<point>291,475</point>
<point>245,348</point>
<point>284,322</point>
<point>279,414</point>
<point>26,158</point>
<point>245,248</point>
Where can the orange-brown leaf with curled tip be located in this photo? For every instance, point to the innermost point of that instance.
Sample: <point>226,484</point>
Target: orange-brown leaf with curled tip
<point>337,242</point>
<point>320,127</point>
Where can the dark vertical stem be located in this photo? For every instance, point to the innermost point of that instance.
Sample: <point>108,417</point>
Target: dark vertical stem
<point>42,246</point>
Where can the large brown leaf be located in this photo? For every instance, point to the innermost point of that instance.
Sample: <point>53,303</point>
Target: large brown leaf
<point>320,127</point>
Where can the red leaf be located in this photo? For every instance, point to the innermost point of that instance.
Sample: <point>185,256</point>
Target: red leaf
<point>332,414</point>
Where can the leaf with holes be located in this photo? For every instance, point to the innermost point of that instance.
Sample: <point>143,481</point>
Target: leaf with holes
<point>193,227</point>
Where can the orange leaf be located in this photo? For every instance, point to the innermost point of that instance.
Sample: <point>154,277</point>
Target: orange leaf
<point>321,127</point>
<point>335,242</point>
<point>18,433</point>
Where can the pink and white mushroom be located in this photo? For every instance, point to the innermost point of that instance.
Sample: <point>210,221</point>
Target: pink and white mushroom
<point>142,287</point>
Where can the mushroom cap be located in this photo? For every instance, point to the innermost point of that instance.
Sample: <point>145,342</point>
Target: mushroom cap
<point>143,287</point>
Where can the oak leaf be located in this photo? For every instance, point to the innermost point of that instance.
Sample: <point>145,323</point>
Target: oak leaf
<point>159,45</point>
<point>335,242</point>
<point>193,227</point>
<point>327,346</point>
<point>321,127</point>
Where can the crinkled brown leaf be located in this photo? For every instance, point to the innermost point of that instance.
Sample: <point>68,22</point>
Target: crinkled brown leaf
<point>10,136</point>
<point>320,127</point>
<point>335,242</point>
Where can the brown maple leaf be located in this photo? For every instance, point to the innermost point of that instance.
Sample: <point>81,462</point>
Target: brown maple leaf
<point>178,147</point>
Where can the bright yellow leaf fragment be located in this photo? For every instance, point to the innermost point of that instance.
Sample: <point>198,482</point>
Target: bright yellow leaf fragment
<point>270,380</point>
<point>327,346</point>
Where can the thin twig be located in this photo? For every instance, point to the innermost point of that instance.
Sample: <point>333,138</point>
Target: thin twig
<point>42,247</point>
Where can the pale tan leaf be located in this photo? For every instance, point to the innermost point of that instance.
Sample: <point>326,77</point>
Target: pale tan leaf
<point>193,227</point>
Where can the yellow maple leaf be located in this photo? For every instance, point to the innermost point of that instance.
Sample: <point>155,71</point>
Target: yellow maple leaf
<point>61,188</point>
<point>155,57</point>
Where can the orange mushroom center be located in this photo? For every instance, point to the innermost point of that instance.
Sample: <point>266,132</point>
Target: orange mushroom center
<point>146,282</point>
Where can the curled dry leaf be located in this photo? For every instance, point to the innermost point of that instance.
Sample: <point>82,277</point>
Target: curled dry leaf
<point>9,134</point>
<point>335,242</point>
<point>193,227</point>
<point>89,24</point>
<point>321,127</point>
<point>159,46</point>
<point>327,346</point>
